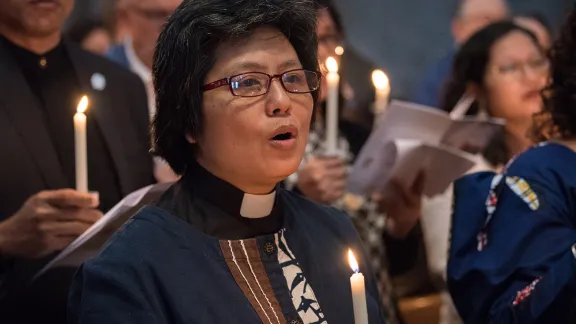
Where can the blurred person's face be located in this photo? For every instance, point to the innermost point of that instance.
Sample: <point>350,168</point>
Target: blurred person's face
<point>237,133</point>
<point>98,41</point>
<point>475,15</point>
<point>328,40</point>
<point>145,19</point>
<point>35,18</point>
<point>537,29</point>
<point>515,77</point>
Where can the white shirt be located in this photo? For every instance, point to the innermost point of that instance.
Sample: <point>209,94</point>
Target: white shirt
<point>140,69</point>
<point>436,222</point>
<point>162,171</point>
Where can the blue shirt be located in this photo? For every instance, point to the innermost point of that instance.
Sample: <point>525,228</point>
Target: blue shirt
<point>430,89</point>
<point>511,258</point>
<point>117,54</point>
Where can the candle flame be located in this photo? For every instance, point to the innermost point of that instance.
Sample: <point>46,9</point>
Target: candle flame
<point>331,64</point>
<point>380,79</point>
<point>353,262</point>
<point>82,105</point>
<point>339,50</point>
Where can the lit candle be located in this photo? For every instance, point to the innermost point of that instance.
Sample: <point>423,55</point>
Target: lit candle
<point>382,86</point>
<point>358,292</point>
<point>80,146</point>
<point>339,50</point>
<point>333,80</point>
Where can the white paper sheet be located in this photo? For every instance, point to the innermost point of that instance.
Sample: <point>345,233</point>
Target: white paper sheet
<point>412,121</point>
<point>89,243</point>
<point>409,137</point>
<point>472,134</point>
<point>404,159</point>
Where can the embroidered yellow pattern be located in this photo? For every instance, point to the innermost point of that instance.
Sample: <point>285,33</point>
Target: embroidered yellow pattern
<point>522,189</point>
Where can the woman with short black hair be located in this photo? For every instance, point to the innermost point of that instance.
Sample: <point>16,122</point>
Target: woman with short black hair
<point>236,86</point>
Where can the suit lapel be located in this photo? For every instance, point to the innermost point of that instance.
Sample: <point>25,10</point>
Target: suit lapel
<point>25,112</point>
<point>93,83</point>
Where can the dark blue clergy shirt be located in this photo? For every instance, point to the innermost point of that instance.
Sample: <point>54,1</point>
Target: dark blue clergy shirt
<point>192,259</point>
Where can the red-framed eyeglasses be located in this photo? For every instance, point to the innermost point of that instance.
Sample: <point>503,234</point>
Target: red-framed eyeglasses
<point>254,84</point>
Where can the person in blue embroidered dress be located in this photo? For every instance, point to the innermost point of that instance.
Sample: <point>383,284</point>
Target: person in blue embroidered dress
<point>236,88</point>
<point>489,66</point>
<point>512,255</point>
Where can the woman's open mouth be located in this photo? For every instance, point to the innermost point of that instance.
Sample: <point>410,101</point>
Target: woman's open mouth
<point>284,137</point>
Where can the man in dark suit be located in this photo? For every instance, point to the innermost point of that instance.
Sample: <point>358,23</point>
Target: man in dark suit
<point>42,78</point>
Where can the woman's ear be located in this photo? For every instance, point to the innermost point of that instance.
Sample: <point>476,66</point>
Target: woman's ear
<point>479,94</point>
<point>190,139</point>
<point>473,89</point>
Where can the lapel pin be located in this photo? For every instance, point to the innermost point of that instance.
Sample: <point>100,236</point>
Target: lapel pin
<point>98,81</point>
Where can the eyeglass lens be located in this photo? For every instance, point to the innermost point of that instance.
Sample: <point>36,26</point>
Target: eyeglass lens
<point>257,84</point>
<point>518,69</point>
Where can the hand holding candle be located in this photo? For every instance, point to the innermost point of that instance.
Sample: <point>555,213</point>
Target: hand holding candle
<point>80,146</point>
<point>333,80</point>
<point>382,85</point>
<point>358,291</point>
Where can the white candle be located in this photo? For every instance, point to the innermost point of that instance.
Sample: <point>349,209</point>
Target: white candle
<point>358,292</point>
<point>333,80</point>
<point>382,86</point>
<point>80,146</point>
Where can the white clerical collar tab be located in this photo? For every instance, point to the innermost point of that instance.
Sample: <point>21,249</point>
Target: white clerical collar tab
<point>257,206</point>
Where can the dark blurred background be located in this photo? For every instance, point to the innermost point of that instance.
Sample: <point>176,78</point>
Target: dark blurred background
<point>402,36</point>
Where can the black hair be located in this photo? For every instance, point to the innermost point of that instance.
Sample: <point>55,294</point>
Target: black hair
<point>329,6</point>
<point>83,28</point>
<point>470,65</point>
<point>559,115</point>
<point>185,54</point>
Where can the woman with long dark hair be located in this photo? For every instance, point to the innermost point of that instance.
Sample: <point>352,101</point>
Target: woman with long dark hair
<point>504,68</point>
<point>512,256</point>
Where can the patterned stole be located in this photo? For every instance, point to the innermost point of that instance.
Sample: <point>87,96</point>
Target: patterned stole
<point>245,263</point>
<point>368,222</point>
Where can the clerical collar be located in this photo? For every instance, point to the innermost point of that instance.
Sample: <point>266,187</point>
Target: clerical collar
<point>30,60</point>
<point>227,197</point>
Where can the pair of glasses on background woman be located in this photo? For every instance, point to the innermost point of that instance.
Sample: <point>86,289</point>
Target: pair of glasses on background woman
<point>254,84</point>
